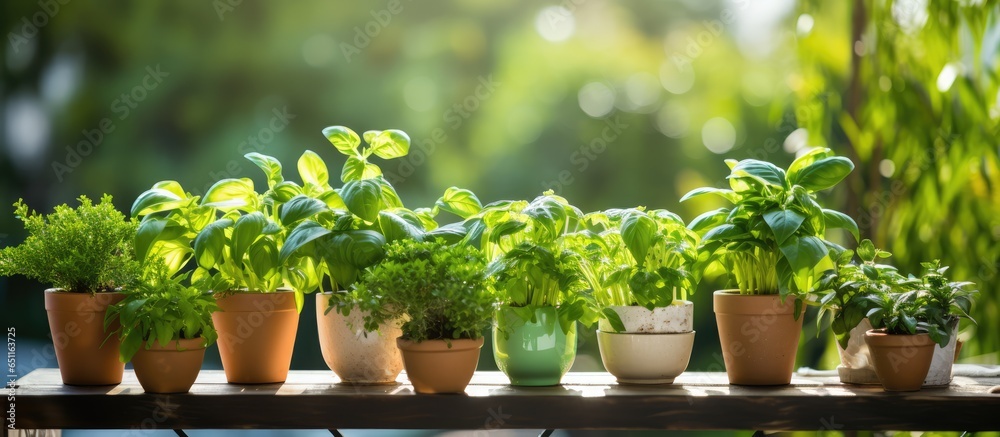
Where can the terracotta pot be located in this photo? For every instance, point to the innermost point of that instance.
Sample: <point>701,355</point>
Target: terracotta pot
<point>439,366</point>
<point>759,336</point>
<point>901,361</point>
<point>645,358</point>
<point>256,335</point>
<point>355,355</point>
<point>533,354</point>
<point>171,368</point>
<point>76,321</point>
<point>670,319</point>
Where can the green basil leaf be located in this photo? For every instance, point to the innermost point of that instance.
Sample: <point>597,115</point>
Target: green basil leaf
<point>824,173</point>
<point>363,198</point>
<point>344,139</point>
<point>245,232</point>
<point>389,144</point>
<point>762,171</point>
<point>313,170</point>
<point>837,219</point>
<point>298,208</point>
<point>229,194</point>
<point>209,243</point>
<point>156,200</point>
<point>638,231</point>
<point>783,223</point>
<point>304,233</point>
<point>269,165</point>
<point>460,202</point>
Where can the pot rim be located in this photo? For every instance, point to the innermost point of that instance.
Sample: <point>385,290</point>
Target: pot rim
<point>648,334</point>
<point>173,344</point>
<point>440,345</point>
<point>63,292</point>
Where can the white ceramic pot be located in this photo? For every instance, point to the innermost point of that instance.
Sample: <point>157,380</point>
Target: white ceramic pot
<point>856,365</point>
<point>655,347</point>
<point>671,319</point>
<point>645,358</point>
<point>355,355</point>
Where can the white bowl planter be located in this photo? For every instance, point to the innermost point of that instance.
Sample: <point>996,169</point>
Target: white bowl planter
<point>856,362</point>
<point>655,348</point>
<point>355,355</point>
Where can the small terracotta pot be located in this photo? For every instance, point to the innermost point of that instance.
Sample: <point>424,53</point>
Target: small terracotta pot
<point>434,367</point>
<point>256,335</point>
<point>901,361</point>
<point>355,355</point>
<point>171,368</point>
<point>759,336</point>
<point>76,321</point>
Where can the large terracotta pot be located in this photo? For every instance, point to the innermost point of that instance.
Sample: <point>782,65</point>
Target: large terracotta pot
<point>169,369</point>
<point>85,352</point>
<point>655,347</point>
<point>535,353</point>
<point>355,355</point>
<point>901,361</point>
<point>759,336</point>
<point>440,366</point>
<point>256,335</point>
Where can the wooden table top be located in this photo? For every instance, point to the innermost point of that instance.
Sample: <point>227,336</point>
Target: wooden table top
<point>696,401</point>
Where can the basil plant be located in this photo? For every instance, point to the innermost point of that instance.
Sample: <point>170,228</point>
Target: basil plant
<point>640,258</point>
<point>772,238</point>
<point>533,261</point>
<point>347,233</point>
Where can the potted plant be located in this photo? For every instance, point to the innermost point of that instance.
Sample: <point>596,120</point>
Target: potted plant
<point>947,303</point>
<point>86,254</point>
<point>444,294</point>
<point>645,264</point>
<point>903,338</point>
<point>346,238</point>
<point>847,287</point>
<point>541,282</point>
<point>772,243</point>
<point>164,328</point>
<point>235,235</point>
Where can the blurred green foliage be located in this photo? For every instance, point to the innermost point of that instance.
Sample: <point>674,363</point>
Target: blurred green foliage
<point>611,104</point>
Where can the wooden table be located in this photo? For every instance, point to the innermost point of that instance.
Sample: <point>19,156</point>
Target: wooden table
<point>696,401</point>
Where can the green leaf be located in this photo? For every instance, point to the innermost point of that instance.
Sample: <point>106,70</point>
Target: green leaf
<point>549,215</point>
<point>269,165</point>
<point>803,253</point>
<point>460,202</point>
<point>298,208</point>
<point>389,144</point>
<point>246,231</point>
<point>149,231</point>
<point>363,198</point>
<point>725,232</point>
<point>358,168</point>
<point>156,200</point>
<point>304,233</point>
<point>452,233</point>
<point>763,171</point>
<point>725,194</point>
<point>638,231</point>
<point>866,250</point>
<point>806,160</point>
<point>824,173</point>
<point>264,257</point>
<point>395,227</point>
<point>231,193</point>
<point>344,139</point>
<point>613,319</point>
<point>837,219</point>
<point>783,223</point>
<point>389,197</point>
<point>313,170</point>
<point>285,191</point>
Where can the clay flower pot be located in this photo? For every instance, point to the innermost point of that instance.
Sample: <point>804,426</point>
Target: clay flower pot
<point>171,368</point>
<point>434,366</point>
<point>655,347</point>
<point>256,335</point>
<point>355,355</point>
<point>901,361</point>
<point>76,321</point>
<point>535,353</point>
<point>759,336</point>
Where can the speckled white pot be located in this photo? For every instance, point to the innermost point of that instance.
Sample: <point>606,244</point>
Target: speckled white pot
<point>357,356</point>
<point>671,319</point>
<point>940,373</point>
<point>645,358</point>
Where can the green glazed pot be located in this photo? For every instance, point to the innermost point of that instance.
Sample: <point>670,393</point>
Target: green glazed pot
<point>535,353</point>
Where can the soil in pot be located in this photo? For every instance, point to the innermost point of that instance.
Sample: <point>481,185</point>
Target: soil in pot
<point>76,321</point>
<point>357,356</point>
<point>169,369</point>
<point>901,361</point>
<point>535,353</point>
<point>440,366</point>
<point>256,335</point>
<point>759,337</point>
